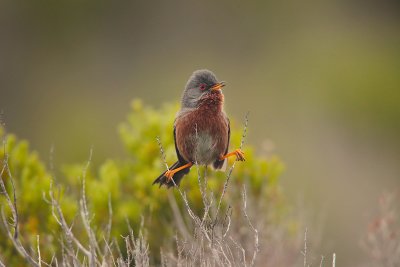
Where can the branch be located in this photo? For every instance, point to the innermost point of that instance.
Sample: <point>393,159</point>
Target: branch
<point>256,244</point>
<point>304,252</point>
<point>38,250</point>
<point>228,177</point>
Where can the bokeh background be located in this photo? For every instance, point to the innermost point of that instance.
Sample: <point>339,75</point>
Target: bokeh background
<point>321,80</point>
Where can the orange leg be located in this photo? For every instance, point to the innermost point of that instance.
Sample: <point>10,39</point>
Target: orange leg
<point>170,173</point>
<point>238,153</point>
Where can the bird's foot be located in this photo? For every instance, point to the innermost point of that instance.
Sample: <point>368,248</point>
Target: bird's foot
<point>239,155</point>
<point>169,174</point>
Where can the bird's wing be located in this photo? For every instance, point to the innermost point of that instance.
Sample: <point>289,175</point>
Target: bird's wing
<point>225,164</point>
<point>221,165</point>
<point>229,135</point>
<point>180,158</point>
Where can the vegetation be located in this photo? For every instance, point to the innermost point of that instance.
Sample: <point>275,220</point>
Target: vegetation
<point>113,216</point>
<point>126,185</point>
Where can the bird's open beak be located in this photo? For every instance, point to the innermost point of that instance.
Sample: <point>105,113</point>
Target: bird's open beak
<point>218,86</point>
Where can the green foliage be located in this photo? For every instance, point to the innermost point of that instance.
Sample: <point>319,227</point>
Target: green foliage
<point>32,180</point>
<point>128,184</point>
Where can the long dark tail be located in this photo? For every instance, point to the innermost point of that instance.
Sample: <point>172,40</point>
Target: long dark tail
<point>162,179</point>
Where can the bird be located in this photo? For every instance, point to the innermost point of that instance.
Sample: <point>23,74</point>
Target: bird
<point>201,129</point>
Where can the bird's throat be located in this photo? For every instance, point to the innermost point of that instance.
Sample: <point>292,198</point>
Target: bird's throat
<point>212,102</point>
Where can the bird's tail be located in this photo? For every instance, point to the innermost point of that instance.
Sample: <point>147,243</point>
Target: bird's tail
<point>163,180</point>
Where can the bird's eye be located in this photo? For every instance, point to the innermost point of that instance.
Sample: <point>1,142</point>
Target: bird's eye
<point>202,86</point>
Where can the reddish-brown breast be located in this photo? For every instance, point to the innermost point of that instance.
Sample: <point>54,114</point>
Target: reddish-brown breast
<point>202,134</point>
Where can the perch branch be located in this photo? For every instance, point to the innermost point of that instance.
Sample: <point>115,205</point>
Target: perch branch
<point>228,177</point>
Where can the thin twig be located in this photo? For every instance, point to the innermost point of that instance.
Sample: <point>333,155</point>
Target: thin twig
<point>110,251</point>
<point>93,245</point>
<point>304,252</point>
<point>162,152</point>
<point>194,217</point>
<point>108,228</point>
<point>17,243</point>
<point>38,250</point>
<point>11,203</point>
<point>15,210</point>
<point>246,122</point>
<point>241,249</point>
<point>228,177</point>
<point>178,216</point>
<point>256,245</point>
<point>228,215</point>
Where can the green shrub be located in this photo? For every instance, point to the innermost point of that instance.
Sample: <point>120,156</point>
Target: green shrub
<point>128,183</point>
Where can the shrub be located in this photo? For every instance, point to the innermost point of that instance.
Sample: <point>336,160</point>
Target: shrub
<point>127,185</point>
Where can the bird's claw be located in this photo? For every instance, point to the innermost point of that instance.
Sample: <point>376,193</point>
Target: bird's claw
<point>169,174</point>
<point>239,155</point>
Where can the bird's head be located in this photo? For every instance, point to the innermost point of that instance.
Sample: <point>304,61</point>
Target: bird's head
<point>201,83</point>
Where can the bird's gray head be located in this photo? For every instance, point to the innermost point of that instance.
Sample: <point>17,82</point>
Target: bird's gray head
<point>200,83</point>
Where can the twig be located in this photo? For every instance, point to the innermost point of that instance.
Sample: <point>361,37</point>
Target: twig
<point>120,260</point>
<point>334,260</point>
<point>207,210</point>
<point>59,217</point>
<point>17,243</point>
<point>241,249</point>
<point>11,203</point>
<point>38,250</point>
<point>322,261</point>
<point>108,228</point>
<point>231,169</point>
<point>141,250</point>
<point>246,121</point>
<point>228,215</point>
<point>93,245</point>
<point>304,252</point>
<point>109,250</point>
<point>256,244</point>
<point>178,216</point>
<point>162,152</point>
<point>194,217</point>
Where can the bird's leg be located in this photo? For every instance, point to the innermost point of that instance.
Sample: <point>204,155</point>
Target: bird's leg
<point>170,173</point>
<point>238,153</point>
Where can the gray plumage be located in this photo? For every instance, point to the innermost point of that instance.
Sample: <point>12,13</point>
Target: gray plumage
<point>191,96</point>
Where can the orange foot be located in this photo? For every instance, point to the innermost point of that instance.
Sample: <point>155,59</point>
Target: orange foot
<point>170,173</point>
<point>238,153</point>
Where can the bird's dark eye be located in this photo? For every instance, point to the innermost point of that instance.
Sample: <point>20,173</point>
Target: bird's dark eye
<point>202,86</point>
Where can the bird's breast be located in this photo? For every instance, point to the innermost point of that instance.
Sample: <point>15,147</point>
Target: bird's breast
<point>202,136</point>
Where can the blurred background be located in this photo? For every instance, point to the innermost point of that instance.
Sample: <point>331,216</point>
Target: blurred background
<point>321,80</point>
